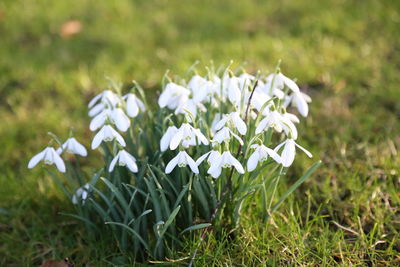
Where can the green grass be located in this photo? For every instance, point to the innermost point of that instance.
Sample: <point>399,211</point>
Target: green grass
<point>345,54</point>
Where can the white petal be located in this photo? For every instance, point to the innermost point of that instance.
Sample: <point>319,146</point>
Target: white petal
<point>113,162</point>
<point>201,137</point>
<point>132,107</point>
<point>98,138</point>
<point>129,160</point>
<point>215,172</point>
<point>221,123</point>
<point>166,138</point>
<point>121,120</point>
<point>261,126</point>
<point>192,164</point>
<point>95,99</point>
<point>35,160</point>
<point>202,158</point>
<point>79,149</point>
<point>253,161</point>
<point>291,84</point>
<point>176,139</point>
<point>58,161</point>
<point>288,153</point>
<point>237,164</point>
<point>301,104</point>
<point>172,164</point>
<point>96,109</point>
<point>304,150</point>
<point>274,155</point>
<point>237,137</point>
<point>98,121</point>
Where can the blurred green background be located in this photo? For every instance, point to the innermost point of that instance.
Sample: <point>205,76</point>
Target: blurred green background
<point>55,55</point>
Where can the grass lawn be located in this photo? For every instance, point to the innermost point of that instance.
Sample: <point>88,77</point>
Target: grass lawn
<point>344,53</point>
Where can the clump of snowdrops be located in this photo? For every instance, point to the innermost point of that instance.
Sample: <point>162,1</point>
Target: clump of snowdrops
<point>215,144</point>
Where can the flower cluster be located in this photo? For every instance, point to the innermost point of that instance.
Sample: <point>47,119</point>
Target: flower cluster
<point>228,125</point>
<point>248,102</point>
<point>108,111</point>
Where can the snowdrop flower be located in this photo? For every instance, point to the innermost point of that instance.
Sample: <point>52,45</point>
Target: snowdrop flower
<point>289,151</point>
<point>190,106</point>
<point>116,116</point>
<point>234,119</point>
<point>107,134</point>
<point>260,155</point>
<point>201,88</point>
<point>81,194</point>
<point>234,93</point>
<point>120,119</point>
<point>173,96</point>
<point>182,159</point>
<point>300,101</point>
<point>188,136</point>
<point>224,135</point>
<point>166,138</point>
<point>107,99</point>
<point>245,80</point>
<point>281,80</point>
<point>73,146</point>
<point>133,105</point>
<point>123,158</point>
<point>226,160</point>
<point>49,157</point>
<point>275,120</point>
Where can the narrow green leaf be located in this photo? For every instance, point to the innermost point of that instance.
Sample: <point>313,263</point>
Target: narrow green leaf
<point>295,185</point>
<point>196,227</point>
<point>131,231</point>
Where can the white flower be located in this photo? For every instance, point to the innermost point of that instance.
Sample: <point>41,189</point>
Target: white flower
<point>289,151</point>
<point>107,99</point>
<point>224,135</point>
<point>133,105</point>
<point>49,157</point>
<point>226,160</point>
<point>81,194</point>
<point>234,119</point>
<point>189,106</point>
<point>200,87</point>
<point>188,136</point>
<point>275,120</point>
<point>234,93</point>
<point>260,155</point>
<point>72,146</point>
<point>279,80</point>
<point>173,96</point>
<point>299,100</point>
<point>182,159</point>
<point>116,116</point>
<point>107,134</point>
<point>120,119</point>
<point>166,138</point>
<point>123,158</point>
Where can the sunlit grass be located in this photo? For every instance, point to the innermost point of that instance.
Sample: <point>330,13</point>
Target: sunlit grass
<point>344,53</point>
